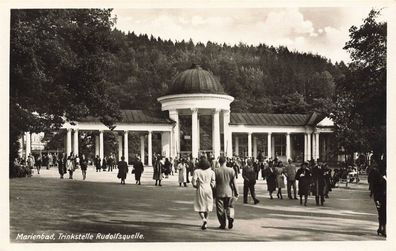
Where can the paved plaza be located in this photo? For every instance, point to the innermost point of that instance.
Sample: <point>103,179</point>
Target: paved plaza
<point>46,204</point>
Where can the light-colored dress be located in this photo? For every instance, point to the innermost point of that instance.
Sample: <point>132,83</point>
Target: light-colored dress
<point>204,181</point>
<point>182,168</point>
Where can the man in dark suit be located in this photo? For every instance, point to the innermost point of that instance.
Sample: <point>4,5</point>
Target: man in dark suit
<point>226,193</point>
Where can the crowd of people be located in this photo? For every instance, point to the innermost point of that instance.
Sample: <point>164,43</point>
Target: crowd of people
<point>215,178</point>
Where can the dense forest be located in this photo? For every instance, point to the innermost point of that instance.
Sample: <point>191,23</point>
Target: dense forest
<point>261,78</point>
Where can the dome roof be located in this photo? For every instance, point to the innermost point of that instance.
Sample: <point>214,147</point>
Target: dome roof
<point>195,80</point>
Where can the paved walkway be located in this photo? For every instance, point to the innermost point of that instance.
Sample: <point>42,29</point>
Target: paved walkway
<point>47,204</point>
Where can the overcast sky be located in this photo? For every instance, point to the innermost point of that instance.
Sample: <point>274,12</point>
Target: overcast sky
<point>318,30</point>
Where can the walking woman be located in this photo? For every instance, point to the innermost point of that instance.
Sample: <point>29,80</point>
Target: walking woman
<point>303,176</point>
<point>38,164</point>
<point>61,165</point>
<point>139,169</point>
<point>84,165</point>
<point>204,182</point>
<point>70,165</point>
<point>182,169</point>
<point>280,181</point>
<point>122,170</point>
<point>158,170</point>
<point>271,179</point>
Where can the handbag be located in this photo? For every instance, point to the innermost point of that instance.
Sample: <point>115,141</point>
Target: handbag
<point>119,175</point>
<point>133,170</point>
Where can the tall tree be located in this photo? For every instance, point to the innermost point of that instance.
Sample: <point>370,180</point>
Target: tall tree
<point>360,115</point>
<point>59,60</point>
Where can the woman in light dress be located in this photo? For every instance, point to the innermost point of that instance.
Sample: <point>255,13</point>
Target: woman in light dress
<point>280,182</point>
<point>182,169</point>
<point>204,181</point>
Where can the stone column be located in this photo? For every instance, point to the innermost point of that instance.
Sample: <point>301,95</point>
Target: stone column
<point>20,149</point>
<point>249,144</point>
<point>305,147</point>
<point>255,147</point>
<point>216,133</point>
<point>96,145</point>
<point>150,149</point>
<point>165,137</point>
<point>199,135</point>
<point>309,156</point>
<point>28,144</point>
<point>101,148</point>
<point>194,133</point>
<point>227,134</point>
<point>288,147</point>
<point>126,150</point>
<point>236,146</point>
<point>68,142</point>
<point>119,147</point>
<point>75,142</point>
<point>174,115</point>
<point>317,151</point>
<point>142,157</point>
<point>269,145</point>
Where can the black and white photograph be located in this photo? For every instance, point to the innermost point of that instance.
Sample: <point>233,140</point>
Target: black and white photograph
<point>206,123</point>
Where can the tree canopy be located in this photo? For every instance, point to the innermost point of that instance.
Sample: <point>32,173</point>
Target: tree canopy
<point>59,65</point>
<point>360,113</point>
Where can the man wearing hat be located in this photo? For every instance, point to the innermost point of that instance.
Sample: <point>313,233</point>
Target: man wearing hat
<point>249,181</point>
<point>303,176</point>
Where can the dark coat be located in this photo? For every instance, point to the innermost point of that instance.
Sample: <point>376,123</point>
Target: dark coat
<point>158,170</point>
<point>84,164</point>
<point>138,167</point>
<point>249,175</point>
<point>304,181</point>
<point>318,179</point>
<point>122,169</point>
<point>270,175</point>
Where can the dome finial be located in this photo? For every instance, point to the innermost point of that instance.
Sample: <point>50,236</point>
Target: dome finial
<point>195,66</point>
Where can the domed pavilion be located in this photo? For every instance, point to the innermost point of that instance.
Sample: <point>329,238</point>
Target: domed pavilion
<point>197,92</point>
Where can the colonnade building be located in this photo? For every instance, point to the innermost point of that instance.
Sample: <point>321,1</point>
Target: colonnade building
<point>195,100</point>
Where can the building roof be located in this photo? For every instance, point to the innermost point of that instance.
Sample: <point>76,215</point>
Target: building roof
<point>195,80</point>
<point>137,117</point>
<point>267,119</point>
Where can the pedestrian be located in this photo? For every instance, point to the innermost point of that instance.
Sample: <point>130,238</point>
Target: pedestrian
<point>226,194</point>
<point>84,165</point>
<point>104,163</point>
<point>318,180</point>
<point>167,168</point>
<point>139,169</point>
<point>204,181</point>
<point>249,176</point>
<point>290,172</point>
<point>182,169</point>
<point>303,175</point>
<point>327,176</point>
<point>97,163</point>
<point>110,163</point>
<point>31,161</point>
<point>38,164</point>
<point>270,176</point>
<point>280,181</point>
<point>61,165</point>
<point>70,165</point>
<point>158,171</point>
<point>122,170</point>
<point>378,180</point>
<point>50,160</point>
